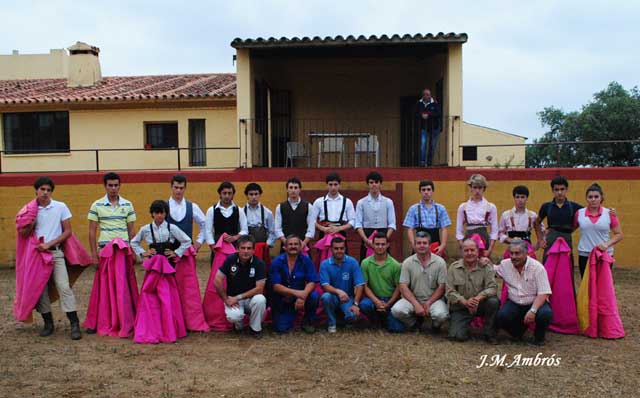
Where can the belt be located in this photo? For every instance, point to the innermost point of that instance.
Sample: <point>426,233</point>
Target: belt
<point>56,247</point>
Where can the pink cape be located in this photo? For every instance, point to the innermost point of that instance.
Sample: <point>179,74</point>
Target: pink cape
<point>189,289</point>
<point>33,268</point>
<point>562,301</point>
<point>370,250</point>
<point>212,303</point>
<point>597,309</point>
<point>159,316</point>
<point>324,248</point>
<point>114,296</point>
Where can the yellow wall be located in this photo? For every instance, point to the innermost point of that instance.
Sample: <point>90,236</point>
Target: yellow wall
<point>34,66</point>
<point>123,129</point>
<point>351,95</point>
<point>513,156</point>
<point>449,193</point>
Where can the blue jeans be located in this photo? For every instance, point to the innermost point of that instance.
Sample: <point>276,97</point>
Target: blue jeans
<point>284,312</point>
<point>331,302</point>
<point>369,309</point>
<point>428,151</point>
<point>511,317</point>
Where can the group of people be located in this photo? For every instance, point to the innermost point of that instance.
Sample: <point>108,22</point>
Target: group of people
<point>246,284</point>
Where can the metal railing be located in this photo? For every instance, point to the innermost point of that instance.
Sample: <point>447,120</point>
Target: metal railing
<point>339,143</point>
<point>556,154</point>
<point>196,158</point>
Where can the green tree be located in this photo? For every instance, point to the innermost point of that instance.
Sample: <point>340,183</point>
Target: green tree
<point>612,115</point>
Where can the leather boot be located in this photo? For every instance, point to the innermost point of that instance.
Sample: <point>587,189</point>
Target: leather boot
<point>75,325</point>
<point>48,325</point>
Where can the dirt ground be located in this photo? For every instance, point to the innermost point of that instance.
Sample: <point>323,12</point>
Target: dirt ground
<point>360,362</point>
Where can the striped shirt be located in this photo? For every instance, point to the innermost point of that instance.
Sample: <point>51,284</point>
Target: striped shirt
<point>112,220</point>
<point>524,287</point>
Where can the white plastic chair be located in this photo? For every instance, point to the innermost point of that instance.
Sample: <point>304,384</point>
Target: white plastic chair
<point>367,145</point>
<point>296,150</point>
<point>331,145</point>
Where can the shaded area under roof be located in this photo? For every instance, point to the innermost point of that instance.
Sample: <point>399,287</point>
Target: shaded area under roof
<point>350,40</point>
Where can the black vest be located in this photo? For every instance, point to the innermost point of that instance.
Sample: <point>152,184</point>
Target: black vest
<point>294,222</point>
<point>222,224</point>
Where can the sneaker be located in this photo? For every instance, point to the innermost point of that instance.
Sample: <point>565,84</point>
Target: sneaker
<point>308,328</point>
<point>332,329</point>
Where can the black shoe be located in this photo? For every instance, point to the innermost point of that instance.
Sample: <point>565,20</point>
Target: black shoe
<point>308,328</point>
<point>435,330</point>
<point>256,335</point>
<point>493,340</point>
<point>90,331</point>
<point>537,342</point>
<point>48,325</point>
<point>75,331</point>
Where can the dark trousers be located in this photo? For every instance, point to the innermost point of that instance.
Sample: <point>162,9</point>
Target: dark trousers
<point>511,318</point>
<point>461,318</point>
<point>583,262</point>
<point>284,312</point>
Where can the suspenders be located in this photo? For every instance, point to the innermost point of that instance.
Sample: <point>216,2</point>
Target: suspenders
<point>326,212</point>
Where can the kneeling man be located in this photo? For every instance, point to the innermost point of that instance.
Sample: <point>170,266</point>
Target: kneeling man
<point>471,291</point>
<point>245,275</point>
<point>422,285</point>
<point>529,289</point>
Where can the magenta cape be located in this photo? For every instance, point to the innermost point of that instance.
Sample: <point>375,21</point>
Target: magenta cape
<point>597,306</point>
<point>369,251</point>
<point>189,289</point>
<point>159,316</point>
<point>262,252</point>
<point>324,247</point>
<point>212,303</point>
<point>562,300</point>
<point>114,296</point>
<point>33,268</point>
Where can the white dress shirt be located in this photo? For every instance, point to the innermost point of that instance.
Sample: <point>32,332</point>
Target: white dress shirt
<point>375,213</point>
<point>254,219</point>
<point>311,222</point>
<point>334,206</point>
<point>164,233</point>
<point>226,213</point>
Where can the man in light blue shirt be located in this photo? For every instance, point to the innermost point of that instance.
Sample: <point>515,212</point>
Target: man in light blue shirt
<point>343,284</point>
<point>374,212</point>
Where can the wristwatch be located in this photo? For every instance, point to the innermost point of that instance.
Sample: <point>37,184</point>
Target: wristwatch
<point>533,310</point>
<point>356,304</point>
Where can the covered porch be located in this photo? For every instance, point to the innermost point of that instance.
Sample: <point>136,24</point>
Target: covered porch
<point>346,102</point>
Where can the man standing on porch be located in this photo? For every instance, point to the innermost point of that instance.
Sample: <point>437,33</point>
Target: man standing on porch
<point>294,216</point>
<point>428,111</point>
<point>374,212</point>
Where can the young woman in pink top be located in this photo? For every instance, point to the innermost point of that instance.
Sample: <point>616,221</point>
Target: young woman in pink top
<point>596,222</point>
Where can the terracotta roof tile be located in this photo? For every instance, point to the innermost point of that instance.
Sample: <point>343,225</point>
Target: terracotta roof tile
<point>119,88</point>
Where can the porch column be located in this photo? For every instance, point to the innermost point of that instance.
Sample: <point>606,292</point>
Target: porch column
<point>245,104</point>
<point>453,105</point>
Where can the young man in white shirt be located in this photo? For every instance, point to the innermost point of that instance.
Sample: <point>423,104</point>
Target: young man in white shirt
<point>333,213</point>
<point>183,213</point>
<point>53,226</point>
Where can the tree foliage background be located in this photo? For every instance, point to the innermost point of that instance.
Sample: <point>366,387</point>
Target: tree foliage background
<point>613,114</point>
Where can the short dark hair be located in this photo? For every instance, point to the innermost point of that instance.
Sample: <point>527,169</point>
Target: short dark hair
<point>333,177</point>
<point>44,180</point>
<point>380,235</point>
<point>110,176</point>
<point>423,234</point>
<point>426,183</point>
<point>292,236</point>
<point>226,185</point>
<point>338,239</point>
<point>520,190</point>
<point>159,206</point>
<point>559,180</point>
<point>375,176</point>
<point>293,180</point>
<point>244,239</point>
<point>252,186</point>
<point>179,178</point>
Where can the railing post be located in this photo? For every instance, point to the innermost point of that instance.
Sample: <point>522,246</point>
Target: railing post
<point>97,162</point>
<point>178,151</point>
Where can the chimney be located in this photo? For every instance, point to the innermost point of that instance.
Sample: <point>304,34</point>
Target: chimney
<point>84,65</point>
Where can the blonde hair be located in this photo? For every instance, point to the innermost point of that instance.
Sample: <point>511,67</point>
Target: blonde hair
<point>477,180</point>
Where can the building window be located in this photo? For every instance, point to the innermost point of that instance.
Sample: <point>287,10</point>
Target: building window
<point>36,132</point>
<point>161,135</point>
<point>197,143</point>
<point>470,153</point>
